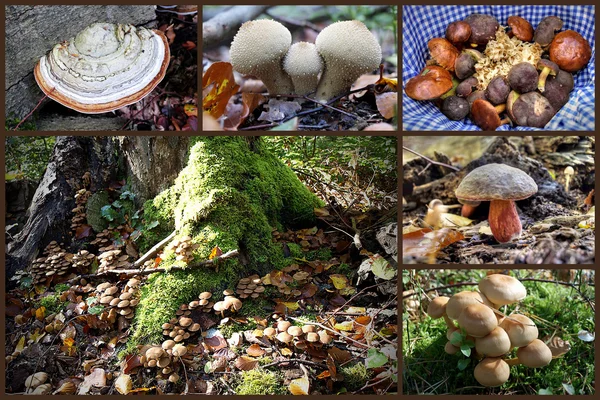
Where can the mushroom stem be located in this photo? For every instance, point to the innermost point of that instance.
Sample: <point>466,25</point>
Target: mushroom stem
<point>542,79</point>
<point>512,361</point>
<point>504,220</point>
<point>500,108</point>
<point>467,210</point>
<point>449,322</point>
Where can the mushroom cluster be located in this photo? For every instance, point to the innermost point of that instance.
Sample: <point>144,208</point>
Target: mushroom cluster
<point>83,260</point>
<point>103,239</point>
<point>501,185</point>
<point>53,262</point>
<point>342,52</point>
<point>251,286</point>
<point>229,303</point>
<point>287,334</point>
<point>181,327</point>
<point>494,334</point>
<point>161,357</point>
<point>531,88</point>
<point>182,248</point>
<point>122,301</point>
<point>112,258</point>
<point>81,198</point>
<point>36,384</point>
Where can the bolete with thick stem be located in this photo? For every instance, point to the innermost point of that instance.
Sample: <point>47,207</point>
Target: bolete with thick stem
<point>502,185</point>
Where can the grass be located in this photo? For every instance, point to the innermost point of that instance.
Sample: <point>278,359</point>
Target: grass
<point>557,310</point>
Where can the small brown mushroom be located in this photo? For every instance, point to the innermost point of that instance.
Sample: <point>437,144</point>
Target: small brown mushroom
<point>284,337</point>
<point>485,115</point>
<point>283,326</point>
<point>269,332</point>
<point>295,331</point>
<point>443,52</point>
<point>458,32</point>
<point>520,28</point>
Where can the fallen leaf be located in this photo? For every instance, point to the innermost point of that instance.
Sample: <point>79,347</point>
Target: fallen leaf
<point>339,281</point>
<point>96,378</point>
<point>215,252</point>
<point>387,104</point>
<point>123,384</point>
<point>255,350</point>
<point>339,355</point>
<point>454,220</point>
<point>383,269</point>
<point>375,359</point>
<point>321,212</point>
<point>300,386</point>
<point>219,84</point>
<point>286,352</point>
<point>40,313</point>
<point>83,231</point>
<point>246,363</point>
<point>427,242</point>
<point>344,326</point>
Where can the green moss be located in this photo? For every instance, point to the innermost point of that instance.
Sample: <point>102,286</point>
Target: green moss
<point>344,269</point>
<point>323,254</point>
<point>355,375</point>
<point>295,250</point>
<point>229,195</point>
<point>258,307</point>
<point>258,381</point>
<point>61,287</point>
<point>94,213</point>
<point>52,303</point>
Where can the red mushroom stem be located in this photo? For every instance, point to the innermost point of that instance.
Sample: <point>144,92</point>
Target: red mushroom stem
<point>467,210</point>
<point>504,220</point>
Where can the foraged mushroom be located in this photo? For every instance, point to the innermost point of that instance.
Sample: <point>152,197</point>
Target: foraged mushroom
<point>570,51</point>
<point>546,67</point>
<point>483,28</point>
<point>431,83</point>
<point>458,32</point>
<point>502,185</point>
<point>258,49</point>
<point>523,77</point>
<point>520,28</point>
<point>105,67</point>
<point>497,90</point>
<point>502,289</point>
<point>455,108</point>
<point>492,372</point>
<point>532,109</point>
<point>303,64</point>
<point>544,33</point>
<point>443,52</point>
<point>451,349</point>
<point>558,89</point>
<point>349,50</point>
<point>485,115</point>
<point>465,88</point>
<point>464,65</point>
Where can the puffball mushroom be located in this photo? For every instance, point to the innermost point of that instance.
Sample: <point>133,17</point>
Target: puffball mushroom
<point>492,372</point>
<point>258,49</point>
<point>303,64</point>
<point>502,289</point>
<point>502,185</point>
<point>437,309</point>
<point>520,329</point>
<point>349,50</point>
<point>478,320</point>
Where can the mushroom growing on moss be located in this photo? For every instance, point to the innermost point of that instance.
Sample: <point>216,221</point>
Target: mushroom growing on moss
<point>303,64</point>
<point>437,309</point>
<point>349,50</point>
<point>258,49</point>
<point>502,289</point>
<point>502,185</point>
<point>492,372</point>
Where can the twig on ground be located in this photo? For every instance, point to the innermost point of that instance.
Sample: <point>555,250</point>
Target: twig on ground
<point>429,160</point>
<point>154,249</point>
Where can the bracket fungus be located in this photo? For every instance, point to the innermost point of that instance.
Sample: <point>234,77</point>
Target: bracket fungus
<point>258,49</point>
<point>349,49</point>
<point>303,64</point>
<point>502,185</point>
<point>104,67</point>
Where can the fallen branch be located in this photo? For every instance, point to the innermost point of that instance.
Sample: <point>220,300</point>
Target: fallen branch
<point>429,160</point>
<point>154,249</point>
<point>224,24</point>
<point>314,364</point>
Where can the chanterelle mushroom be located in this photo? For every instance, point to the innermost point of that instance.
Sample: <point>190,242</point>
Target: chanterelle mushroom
<point>303,64</point>
<point>349,49</point>
<point>103,68</point>
<point>258,49</point>
<point>502,185</point>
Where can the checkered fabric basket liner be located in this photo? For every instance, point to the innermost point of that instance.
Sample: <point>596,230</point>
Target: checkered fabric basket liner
<point>422,23</point>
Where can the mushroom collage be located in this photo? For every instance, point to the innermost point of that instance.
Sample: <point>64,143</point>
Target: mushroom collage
<point>494,333</point>
<point>496,69</point>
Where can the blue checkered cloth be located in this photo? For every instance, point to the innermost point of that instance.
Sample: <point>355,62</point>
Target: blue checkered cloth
<point>422,23</point>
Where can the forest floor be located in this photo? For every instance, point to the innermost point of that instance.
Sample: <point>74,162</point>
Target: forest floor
<point>67,332</point>
<point>558,224</point>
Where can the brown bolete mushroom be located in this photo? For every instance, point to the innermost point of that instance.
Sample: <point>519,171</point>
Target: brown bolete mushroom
<point>523,77</point>
<point>502,185</point>
<point>570,51</point>
<point>502,289</point>
<point>443,52</point>
<point>483,28</point>
<point>455,108</point>
<point>437,309</point>
<point>520,28</point>
<point>536,354</point>
<point>546,67</point>
<point>258,49</point>
<point>492,372</point>
<point>497,90</point>
<point>458,32</point>
<point>349,50</point>
<point>485,115</point>
<point>532,109</point>
<point>478,320</point>
<point>465,88</point>
<point>520,330</point>
<point>431,83</point>
<point>303,64</point>
<point>464,66</point>
<point>558,89</point>
<point>544,33</point>
<point>105,67</point>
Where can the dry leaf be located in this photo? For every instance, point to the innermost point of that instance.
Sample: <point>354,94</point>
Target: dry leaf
<point>123,384</point>
<point>427,242</point>
<point>454,220</point>
<point>218,85</point>
<point>246,363</point>
<point>96,378</point>
<point>300,386</point>
<point>387,104</point>
<point>255,350</point>
<point>215,252</point>
<point>557,346</point>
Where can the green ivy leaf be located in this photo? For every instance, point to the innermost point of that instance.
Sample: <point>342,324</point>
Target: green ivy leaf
<point>96,310</point>
<point>375,359</point>
<point>127,195</point>
<point>108,213</point>
<point>569,388</point>
<point>466,350</point>
<point>462,364</point>
<point>117,204</point>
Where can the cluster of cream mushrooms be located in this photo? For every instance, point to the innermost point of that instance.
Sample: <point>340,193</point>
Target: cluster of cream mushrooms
<point>494,334</point>
<point>341,53</point>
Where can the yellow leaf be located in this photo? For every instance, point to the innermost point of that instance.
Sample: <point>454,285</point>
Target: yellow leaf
<point>21,345</point>
<point>339,281</point>
<point>36,336</point>
<point>69,342</point>
<point>453,220</point>
<point>299,387</point>
<point>321,212</point>
<point>344,326</point>
<point>123,384</point>
<point>286,352</point>
<point>291,305</point>
<point>266,280</point>
<point>485,230</point>
<point>40,313</point>
<point>356,310</point>
<point>258,333</point>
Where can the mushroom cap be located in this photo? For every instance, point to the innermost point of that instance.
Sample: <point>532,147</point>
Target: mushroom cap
<point>570,51</point>
<point>464,66</point>
<point>168,344</point>
<point>437,307</point>
<point>269,332</point>
<point>294,331</point>
<point>497,90</point>
<point>284,337</point>
<point>476,95</point>
<point>283,326</point>
<point>105,67</point>
<point>558,89</point>
<point>458,32</point>
<point>450,331</point>
<point>443,52</point>
<point>478,320</point>
<point>455,108</point>
<point>492,371</point>
<point>349,50</point>
<point>303,64</point>
<point>485,115</point>
<point>460,300</point>
<point>179,350</point>
<point>523,77</point>
<point>495,344</point>
<point>465,88</point>
<point>535,354</point>
<point>154,353</point>
<point>220,306</point>
<point>502,289</point>
<point>533,109</point>
<point>205,295</point>
<point>521,28</point>
<point>544,33</point>
<point>543,63</point>
<point>431,83</point>
<point>258,46</point>
<point>520,330</point>
<point>483,28</point>
<point>450,348</point>
<point>496,182</point>
<point>312,337</point>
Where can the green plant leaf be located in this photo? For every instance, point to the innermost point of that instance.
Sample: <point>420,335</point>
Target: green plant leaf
<point>96,310</point>
<point>456,338</point>
<point>151,225</point>
<point>466,350</point>
<point>375,359</point>
<point>547,391</point>
<point>569,388</point>
<point>117,204</point>
<point>383,269</point>
<point>108,213</point>
<point>462,364</point>
<point>469,343</point>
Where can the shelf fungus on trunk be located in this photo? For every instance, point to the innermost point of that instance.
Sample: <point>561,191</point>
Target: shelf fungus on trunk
<point>105,67</point>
